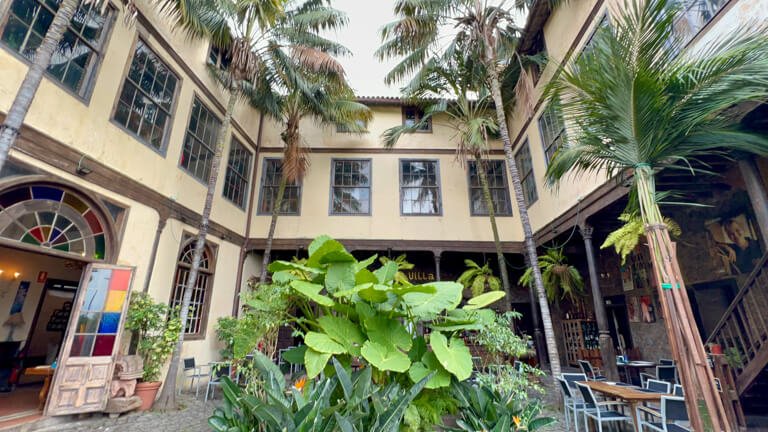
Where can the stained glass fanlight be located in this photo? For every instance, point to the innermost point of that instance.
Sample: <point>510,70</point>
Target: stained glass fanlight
<point>52,217</point>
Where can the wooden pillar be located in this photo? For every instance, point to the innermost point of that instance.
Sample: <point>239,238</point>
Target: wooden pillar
<point>607,351</point>
<point>437,255</point>
<point>538,335</point>
<point>757,194</point>
<point>153,253</point>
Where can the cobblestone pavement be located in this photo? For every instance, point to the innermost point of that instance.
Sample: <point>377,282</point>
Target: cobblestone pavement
<point>193,417</point>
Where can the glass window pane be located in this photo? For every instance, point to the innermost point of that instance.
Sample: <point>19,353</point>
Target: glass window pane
<point>96,293</point>
<point>103,345</point>
<point>81,345</point>
<point>87,322</point>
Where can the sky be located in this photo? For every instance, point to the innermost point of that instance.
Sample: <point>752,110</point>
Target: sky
<point>361,36</point>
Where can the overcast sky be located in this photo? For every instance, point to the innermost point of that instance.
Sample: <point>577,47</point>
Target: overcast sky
<point>366,73</point>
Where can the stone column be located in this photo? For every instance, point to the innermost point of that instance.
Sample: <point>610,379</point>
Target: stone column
<point>757,194</point>
<point>437,264</point>
<point>538,335</point>
<point>607,352</point>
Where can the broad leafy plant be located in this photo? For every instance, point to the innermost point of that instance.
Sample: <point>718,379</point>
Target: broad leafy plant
<point>353,313</point>
<point>343,401</point>
<point>478,279</point>
<point>561,280</point>
<point>483,408</point>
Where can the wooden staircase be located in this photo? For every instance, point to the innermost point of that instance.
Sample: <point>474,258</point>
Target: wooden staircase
<point>743,329</point>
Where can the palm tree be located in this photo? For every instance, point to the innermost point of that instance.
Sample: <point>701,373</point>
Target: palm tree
<point>14,120</point>
<point>561,280</point>
<point>248,32</point>
<point>455,74</point>
<point>478,279</point>
<point>639,104</point>
<point>489,31</point>
<point>289,94</point>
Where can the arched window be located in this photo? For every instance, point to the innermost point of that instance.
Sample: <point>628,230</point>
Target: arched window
<point>201,293</point>
<point>53,218</point>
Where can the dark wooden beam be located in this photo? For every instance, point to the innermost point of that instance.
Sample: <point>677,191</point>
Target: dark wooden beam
<point>397,245</point>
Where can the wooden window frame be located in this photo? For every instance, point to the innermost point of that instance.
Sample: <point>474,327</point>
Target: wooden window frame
<point>419,114</point>
<point>333,186</point>
<point>437,182</point>
<point>187,239</point>
<point>211,147</point>
<point>505,188</point>
<point>244,179</point>
<point>528,174</point>
<point>264,170</point>
<point>551,111</point>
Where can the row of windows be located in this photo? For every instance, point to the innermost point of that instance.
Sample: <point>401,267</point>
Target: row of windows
<point>419,181</point>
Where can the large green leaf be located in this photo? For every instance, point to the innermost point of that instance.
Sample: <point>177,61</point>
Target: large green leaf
<point>418,349</point>
<point>387,272</point>
<point>278,266</point>
<point>343,331</point>
<point>385,357</point>
<point>483,300</point>
<point>408,288</point>
<point>351,292</point>
<point>327,247</point>
<point>338,256</point>
<point>388,332</point>
<point>312,292</point>
<point>365,276</point>
<point>295,355</point>
<point>340,276</point>
<point>429,364</point>
<point>377,293</point>
<point>317,242</point>
<point>453,355</point>
<point>365,263</point>
<point>322,343</point>
<point>462,319</point>
<point>447,296</point>
<point>314,362</point>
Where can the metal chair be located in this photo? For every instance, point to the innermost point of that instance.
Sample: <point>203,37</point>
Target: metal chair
<point>571,404</point>
<point>572,378</point>
<point>657,386</point>
<point>193,373</point>
<point>519,367</point>
<point>597,411</point>
<point>672,410</point>
<point>218,371</point>
<point>667,373</point>
<point>678,390</point>
<point>590,372</point>
<point>666,362</point>
<point>644,377</point>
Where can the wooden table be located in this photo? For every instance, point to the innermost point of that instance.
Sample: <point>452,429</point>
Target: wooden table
<point>632,396</point>
<point>47,372</point>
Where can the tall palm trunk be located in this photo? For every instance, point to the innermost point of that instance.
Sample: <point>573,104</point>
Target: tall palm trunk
<point>11,127</point>
<point>167,399</point>
<point>517,187</point>
<point>482,175</point>
<point>686,343</point>
<point>272,226</point>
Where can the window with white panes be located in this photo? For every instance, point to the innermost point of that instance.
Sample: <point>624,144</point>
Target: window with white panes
<point>238,172</point>
<point>495,173</point>
<point>200,141</point>
<point>351,187</point>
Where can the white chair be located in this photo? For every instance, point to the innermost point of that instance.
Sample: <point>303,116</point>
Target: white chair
<point>572,405</point>
<point>678,390</point>
<point>657,386</point>
<point>599,412</point>
<point>219,370</point>
<point>672,411</point>
<point>667,373</point>
<point>644,377</point>
<point>193,373</point>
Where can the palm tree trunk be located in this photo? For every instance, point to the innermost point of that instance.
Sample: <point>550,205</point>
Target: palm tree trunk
<point>11,127</point>
<point>517,187</point>
<point>687,347</point>
<point>482,175</point>
<point>272,226</point>
<point>167,399</point>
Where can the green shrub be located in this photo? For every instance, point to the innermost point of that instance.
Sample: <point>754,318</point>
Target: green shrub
<point>157,327</point>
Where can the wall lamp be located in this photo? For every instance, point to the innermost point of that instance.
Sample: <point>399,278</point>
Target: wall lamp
<point>82,169</point>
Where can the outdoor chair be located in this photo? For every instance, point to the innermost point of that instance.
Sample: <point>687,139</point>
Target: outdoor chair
<point>678,390</point>
<point>519,367</point>
<point>571,404</point>
<point>218,371</point>
<point>657,386</point>
<point>672,411</point>
<point>666,362</point>
<point>193,373</point>
<point>667,373</point>
<point>572,378</point>
<point>644,377</point>
<point>592,374</point>
<point>599,411</point>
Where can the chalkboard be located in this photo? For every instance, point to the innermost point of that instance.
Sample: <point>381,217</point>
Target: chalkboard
<point>59,318</point>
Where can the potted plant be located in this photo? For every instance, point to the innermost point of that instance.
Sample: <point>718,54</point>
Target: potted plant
<point>156,327</point>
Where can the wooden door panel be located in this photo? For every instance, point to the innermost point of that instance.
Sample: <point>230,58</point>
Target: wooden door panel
<point>87,359</point>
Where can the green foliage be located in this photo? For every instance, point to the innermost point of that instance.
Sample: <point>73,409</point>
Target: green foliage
<point>626,238</point>
<point>342,402</point>
<point>353,313</point>
<point>499,340</point>
<point>484,408</point>
<point>402,264</point>
<point>428,409</point>
<point>478,279</point>
<point>560,279</point>
<point>518,384</point>
<point>157,327</point>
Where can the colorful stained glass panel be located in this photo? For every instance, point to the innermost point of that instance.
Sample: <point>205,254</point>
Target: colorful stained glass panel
<point>87,322</point>
<point>109,322</point>
<point>81,345</point>
<point>103,345</point>
<point>115,300</point>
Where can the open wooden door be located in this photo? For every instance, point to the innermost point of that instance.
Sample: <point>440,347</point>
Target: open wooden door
<point>87,359</point>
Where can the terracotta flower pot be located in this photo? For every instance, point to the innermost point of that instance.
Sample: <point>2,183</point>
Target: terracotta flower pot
<point>715,349</point>
<point>147,391</point>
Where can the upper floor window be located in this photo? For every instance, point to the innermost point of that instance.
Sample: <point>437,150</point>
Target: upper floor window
<point>525,168</point>
<point>200,141</point>
<point>495,173</point>
<point>539,49</point>
<point>413,115</point>
<point>270,183</point>
<point>419,187</point>
<point>74,62</point>
<point>219,57</point>
<point>552,130</point>
<point>351,187</point>
<point>694,15</point>
<point>588,46</point>
<point>238,171</point>
<point>201,292</point>
<point>146,100</point>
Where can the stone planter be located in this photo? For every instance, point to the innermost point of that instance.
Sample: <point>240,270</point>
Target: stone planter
<point>147,391</point>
